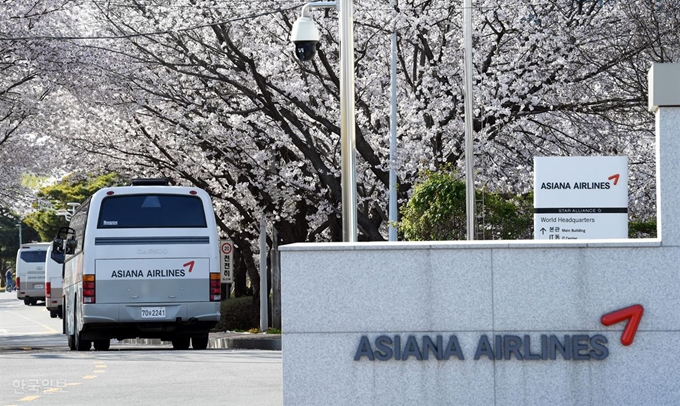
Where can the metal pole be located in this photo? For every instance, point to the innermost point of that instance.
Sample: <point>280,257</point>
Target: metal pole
<point>469,136</point>
<point>20,242</point>
<point>307,8</point>
<point>276,281</point>
<point>393,139</point>
<point>347,138</point>
<point>264,290</point>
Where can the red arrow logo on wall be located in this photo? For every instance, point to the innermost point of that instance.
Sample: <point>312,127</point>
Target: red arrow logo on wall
<point>615,177</point>
<point>634,313</point>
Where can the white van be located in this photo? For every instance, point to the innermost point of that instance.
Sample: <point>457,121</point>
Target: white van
<point>141,261</point>
<point>53,289</point>
<point>30,277</point>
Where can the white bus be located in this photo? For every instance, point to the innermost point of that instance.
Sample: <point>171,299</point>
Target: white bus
<point>53,285</point>
<point>141,261</point>
<point>30,278</point>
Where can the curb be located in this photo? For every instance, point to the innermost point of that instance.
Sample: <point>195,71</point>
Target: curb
<point>244,342</point>
<point>273,344</point>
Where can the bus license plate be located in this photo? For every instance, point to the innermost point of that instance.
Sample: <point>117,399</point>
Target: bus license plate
<point>38,286</point>
<point>153,312</point>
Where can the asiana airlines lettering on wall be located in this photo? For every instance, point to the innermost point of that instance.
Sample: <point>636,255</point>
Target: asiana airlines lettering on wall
<point>499,347</point>
<point>577,347</point>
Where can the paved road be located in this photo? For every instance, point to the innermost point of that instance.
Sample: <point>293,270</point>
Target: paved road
<point>36,368</point>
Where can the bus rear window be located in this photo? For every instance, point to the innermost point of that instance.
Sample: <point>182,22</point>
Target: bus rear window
<point>152,211</point>
<point>33,256</point>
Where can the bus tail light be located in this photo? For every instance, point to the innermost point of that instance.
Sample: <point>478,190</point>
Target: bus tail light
<point>48,290</point>
<point>88,289</point>
<point>18,283</point>
<point>215,285</point>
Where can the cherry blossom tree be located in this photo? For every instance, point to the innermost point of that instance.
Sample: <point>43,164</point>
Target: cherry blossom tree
<point>24,148</point>
<point>209,93</point>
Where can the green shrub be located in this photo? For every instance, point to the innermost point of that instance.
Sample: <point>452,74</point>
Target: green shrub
<point>237,314</point>
<point>437,211</point>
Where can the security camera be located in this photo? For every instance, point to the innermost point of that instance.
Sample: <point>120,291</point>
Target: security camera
<point>305,36</point>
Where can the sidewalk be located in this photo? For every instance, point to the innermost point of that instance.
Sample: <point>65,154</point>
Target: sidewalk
<point>249,341</point>
<point>230,339</point>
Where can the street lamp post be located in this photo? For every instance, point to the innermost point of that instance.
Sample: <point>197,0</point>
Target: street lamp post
<point>392,233</point>
<point>20,242</point>
<point>469,136</point>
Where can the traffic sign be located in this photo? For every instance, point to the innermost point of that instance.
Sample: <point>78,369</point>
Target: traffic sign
<point>226,247</point>
<point>226,260</point>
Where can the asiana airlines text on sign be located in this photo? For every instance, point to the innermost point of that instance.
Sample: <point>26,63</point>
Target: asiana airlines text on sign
<point>505,347</point>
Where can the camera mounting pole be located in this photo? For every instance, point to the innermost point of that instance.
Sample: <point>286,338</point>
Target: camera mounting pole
<point>347,123</point>
<point>307,8</point>
<point>347,113</point>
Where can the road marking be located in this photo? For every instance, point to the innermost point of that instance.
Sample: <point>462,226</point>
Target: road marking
<point>50,329</point>
<point>74,383</point>
<point>98,371</point>
<point>89,376</point>
<point>29,398</point>
<point>52,390</point>
<point>29,334</point>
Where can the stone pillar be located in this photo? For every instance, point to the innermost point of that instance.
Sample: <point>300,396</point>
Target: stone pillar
<point>664,101</point>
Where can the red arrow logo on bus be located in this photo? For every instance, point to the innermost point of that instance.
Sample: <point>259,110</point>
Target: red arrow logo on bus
<point>190,264</point>
<point>634,313</point>
<point>615,177</point>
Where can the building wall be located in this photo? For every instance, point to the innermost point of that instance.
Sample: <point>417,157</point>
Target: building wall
<point>335,294</point>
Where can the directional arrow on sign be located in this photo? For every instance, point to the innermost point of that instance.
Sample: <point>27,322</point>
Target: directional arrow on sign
<point>633,314</point>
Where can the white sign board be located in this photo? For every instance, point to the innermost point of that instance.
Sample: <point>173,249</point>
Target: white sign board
<point>580,198</point>
<point>226,261</point>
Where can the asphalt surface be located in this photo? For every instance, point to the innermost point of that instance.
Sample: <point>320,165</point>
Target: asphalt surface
<point>225,339</point>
